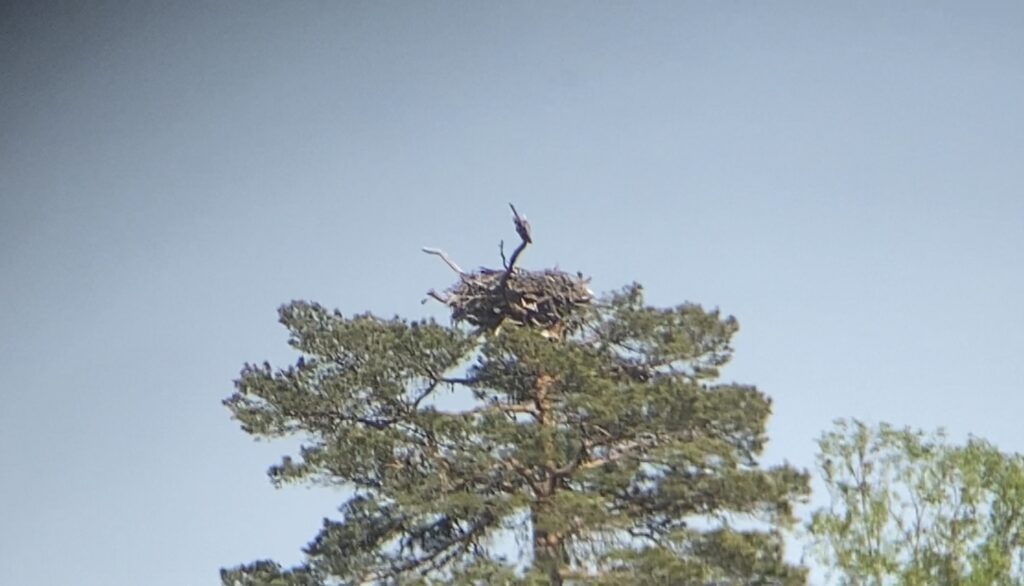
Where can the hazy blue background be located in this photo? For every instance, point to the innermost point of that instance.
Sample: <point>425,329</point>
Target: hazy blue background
<point>844,179</point>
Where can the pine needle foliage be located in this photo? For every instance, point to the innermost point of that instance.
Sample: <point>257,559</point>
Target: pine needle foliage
<point>609,453</point>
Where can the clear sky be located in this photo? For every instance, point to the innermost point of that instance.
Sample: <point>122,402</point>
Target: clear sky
<point>845,178</point>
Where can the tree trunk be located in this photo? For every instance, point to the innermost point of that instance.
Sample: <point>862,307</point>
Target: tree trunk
<point>548,546</point>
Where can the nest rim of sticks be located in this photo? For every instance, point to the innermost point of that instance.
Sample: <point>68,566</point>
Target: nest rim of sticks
<point>547,299</point>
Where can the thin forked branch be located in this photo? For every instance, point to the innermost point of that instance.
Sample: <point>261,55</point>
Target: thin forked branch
<point>526,238</point>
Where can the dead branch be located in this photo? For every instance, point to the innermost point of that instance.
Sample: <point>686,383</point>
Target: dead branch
<point>548,300</point>
<point>438,296</point>
<point>444,257</point>
<point>526,238</point>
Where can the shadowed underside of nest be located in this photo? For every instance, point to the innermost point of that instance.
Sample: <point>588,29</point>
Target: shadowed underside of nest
<point>549,300</point>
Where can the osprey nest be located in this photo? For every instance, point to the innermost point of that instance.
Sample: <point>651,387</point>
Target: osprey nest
<point>548,299</point>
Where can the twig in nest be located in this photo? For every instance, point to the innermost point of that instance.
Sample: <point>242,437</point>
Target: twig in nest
<point>444,257</point>
<point>501,249</point>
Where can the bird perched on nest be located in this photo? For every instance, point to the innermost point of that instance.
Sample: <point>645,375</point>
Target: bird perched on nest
<point>522,226</point>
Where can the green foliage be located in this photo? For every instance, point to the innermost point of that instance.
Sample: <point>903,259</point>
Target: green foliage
<point>610,451</point>
<point>909,508</point>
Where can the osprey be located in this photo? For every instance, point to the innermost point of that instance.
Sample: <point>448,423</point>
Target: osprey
<point>522,226</point>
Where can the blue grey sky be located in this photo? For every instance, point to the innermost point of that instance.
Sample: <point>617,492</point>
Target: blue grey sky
<point>845,178</point>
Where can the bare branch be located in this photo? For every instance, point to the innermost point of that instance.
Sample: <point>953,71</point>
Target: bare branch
<point>445,258</point>
<point>513,408</point>
<point>524,473</point>
<point>523,229</point>
<point>572,465</point>
<point>626,449</point>
<point>602,461</point>
<point>457,380</point>
<point>438,296</point>
<point>440,378</point>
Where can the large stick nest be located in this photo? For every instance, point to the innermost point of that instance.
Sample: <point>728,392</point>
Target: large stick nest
<point>549,299</point>
<point>545,299</point>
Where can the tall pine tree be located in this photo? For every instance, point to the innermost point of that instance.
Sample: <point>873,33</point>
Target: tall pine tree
<point>594,439</point>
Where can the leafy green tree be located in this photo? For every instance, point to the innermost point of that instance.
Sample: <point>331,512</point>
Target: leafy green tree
<point>910,508</point>
<point>593,435</point>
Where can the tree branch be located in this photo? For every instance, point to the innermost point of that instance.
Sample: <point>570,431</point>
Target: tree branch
<point>523,229</point>
<point>455,545</point>
<point>445,258</point>
<point>616,452</point>
<point>513,408</point>
<point>438,296</point>
<point>524,473</point>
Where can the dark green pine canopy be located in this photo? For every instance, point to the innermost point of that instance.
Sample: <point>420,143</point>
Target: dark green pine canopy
<point>594,441</point>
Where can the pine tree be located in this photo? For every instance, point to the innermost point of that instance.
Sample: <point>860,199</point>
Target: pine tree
<point>595,441</point>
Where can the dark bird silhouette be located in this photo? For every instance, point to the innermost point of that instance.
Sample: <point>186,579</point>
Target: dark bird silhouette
<point>522,226</point>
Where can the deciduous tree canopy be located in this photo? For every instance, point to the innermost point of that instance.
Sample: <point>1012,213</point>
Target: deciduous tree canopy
<point>911,508</point>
